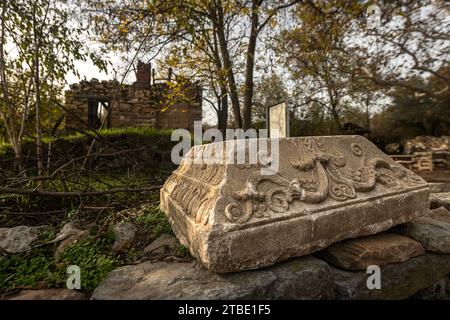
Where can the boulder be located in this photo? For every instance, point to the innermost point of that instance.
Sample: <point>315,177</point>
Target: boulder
<point>438,291</point>
<point>379,249</point>
<point>300,278</point>
<point>441,199</point>
<point>438,187</point>
<point>441,214</point>
<point>162,246</point>
<point>19,239</point>
<point>433,234</point>
<point>398,280</point>
<point>124,234</point>
<point>309,193</point>
<point>70,233</point>
<point>50,294</point>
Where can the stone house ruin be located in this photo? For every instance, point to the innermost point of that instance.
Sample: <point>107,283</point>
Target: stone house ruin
<point>141,104</point>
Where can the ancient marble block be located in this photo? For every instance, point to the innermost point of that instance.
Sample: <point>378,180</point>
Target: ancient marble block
<point>233,217</point>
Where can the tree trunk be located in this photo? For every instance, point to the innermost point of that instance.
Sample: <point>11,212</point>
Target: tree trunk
<point>9,119</point>
<point>336,118</point>
<point>37,89</point>
<point>250,63</point>
<point>228,67</point>
<point>223,112</point>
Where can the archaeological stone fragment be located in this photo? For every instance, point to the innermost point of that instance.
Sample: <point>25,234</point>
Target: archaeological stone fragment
<point>379,249</point>
<point>304,278</point>
<point>234,216</point>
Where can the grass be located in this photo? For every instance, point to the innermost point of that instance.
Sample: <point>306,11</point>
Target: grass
<point>181,251</point>
<point>38,268</point>
<point>137,131</point>
<point>145,132</point>
<point>24,270</point>
<point>94,259</point>
<point>154,221</point>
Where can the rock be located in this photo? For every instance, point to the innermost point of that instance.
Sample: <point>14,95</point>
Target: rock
<point>379,249</point>
<point>70,233</point>
<point>71,241</point>
<point>235,217</point>
<point>163,245</point>
<point>50,294</point>
<point>300,278</point>
<point>398,280</point>
<point>441,214</point>
<point>19,239</point>
<point>438,291</point>
<point>124,234</point>
<point>433,234</point>
<point>437,187</point>
<point>441,199</point>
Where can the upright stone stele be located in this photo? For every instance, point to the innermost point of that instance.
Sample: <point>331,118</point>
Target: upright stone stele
<point>327,189</point>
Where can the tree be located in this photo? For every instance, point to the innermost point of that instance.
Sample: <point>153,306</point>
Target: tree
<point>233,25</point>
<point>38,47</point>
<point>313,53</point>
<point>268,91</point>
<point>411,40</point>
<point>335,55</point>
<point>411,114</point>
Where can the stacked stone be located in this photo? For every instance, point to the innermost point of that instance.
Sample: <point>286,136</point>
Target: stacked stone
<point>136,105</point>
<point>77,97</point>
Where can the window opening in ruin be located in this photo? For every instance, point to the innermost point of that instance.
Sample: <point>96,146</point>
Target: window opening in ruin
<point>98,113</point>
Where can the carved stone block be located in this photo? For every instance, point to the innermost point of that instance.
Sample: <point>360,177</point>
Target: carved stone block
<point>327,189</point>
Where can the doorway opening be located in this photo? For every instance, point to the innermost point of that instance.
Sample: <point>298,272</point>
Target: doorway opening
<point>98,114</point>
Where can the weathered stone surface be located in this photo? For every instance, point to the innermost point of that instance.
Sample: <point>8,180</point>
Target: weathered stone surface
<point>327,189</point>
<point>379,249</point>
<point>433,234</point>
<point>398,280</point>
<point>441,199</point>
<point>124,234</point>
<point>440,214</point>
<point>19,239</point>
<point>438,187</point>
<point>300,278</point>
<point>438,291</point>
<point>50,294</point>
<point>161,246</point>
<point>70,233</point>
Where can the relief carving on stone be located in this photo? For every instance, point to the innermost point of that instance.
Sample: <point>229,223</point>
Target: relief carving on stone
<point>321,176</point>
<point>191,188</point>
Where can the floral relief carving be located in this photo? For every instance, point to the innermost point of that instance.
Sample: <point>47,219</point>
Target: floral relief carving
<point>321,175</point>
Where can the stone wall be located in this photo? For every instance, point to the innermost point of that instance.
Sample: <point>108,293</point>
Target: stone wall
<point>138,105</point>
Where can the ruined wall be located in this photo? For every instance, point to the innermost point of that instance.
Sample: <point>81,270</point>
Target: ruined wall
<point>136,105</point>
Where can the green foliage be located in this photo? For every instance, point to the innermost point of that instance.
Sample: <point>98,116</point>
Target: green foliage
<point>38,267</point>
<point>181,251</point>
<point>93,257</point>
<point>268,91</point>
<point>412,114</point>
<point>48,234</point>
<point>24,270</point>
<point>154,221</point>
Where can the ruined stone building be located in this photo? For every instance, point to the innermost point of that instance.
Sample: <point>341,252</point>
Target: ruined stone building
<point>141,104</point>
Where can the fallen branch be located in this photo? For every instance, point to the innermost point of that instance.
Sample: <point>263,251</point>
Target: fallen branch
<point>74,193</point>
<point>34,213</point>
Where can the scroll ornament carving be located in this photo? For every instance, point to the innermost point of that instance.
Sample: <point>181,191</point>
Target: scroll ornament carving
<point>321,176</point>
